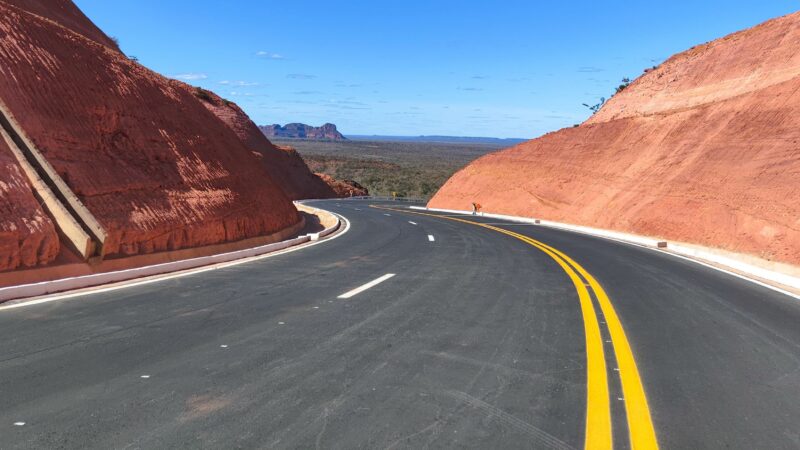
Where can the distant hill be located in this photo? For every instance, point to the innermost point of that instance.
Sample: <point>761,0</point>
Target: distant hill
<point>439,139</point>
<point>302,131</point>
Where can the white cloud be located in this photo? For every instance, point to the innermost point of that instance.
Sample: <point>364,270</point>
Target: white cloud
<point>238,83</point>
<point>300,76</point>
<point>191,76</point>
<point>268,55</point>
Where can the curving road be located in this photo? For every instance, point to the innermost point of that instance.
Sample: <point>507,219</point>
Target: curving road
<point>447,334</point>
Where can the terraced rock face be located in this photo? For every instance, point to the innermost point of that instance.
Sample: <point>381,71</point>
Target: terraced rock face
<point>27,235</point>
<point>703,149</point>
<point>66,14</point>
<point>152,164</point>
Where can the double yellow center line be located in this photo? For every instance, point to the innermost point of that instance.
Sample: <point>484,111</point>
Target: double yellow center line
<point>598,408</point>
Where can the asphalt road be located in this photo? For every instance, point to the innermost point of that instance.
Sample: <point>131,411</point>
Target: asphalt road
<point>480,339</point>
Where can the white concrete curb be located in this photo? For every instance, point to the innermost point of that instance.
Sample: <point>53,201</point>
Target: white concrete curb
<point>86,281</point>
<point>693,254</point>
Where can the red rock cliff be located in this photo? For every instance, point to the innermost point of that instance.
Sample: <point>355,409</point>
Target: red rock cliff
<point>344,188</point>
<point>27,235</point>
<point>704,149</point>
<point>66,14</point>
<point>155,167</point>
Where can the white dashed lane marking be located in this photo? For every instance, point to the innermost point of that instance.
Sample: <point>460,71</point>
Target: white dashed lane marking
<point>366,286</point>
<point>412,223</point>
<point>431,238</point>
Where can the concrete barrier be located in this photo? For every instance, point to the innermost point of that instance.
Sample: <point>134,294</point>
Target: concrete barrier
<point>73,232</point>
<point>71,209</point>
<point>98,279</point>
<point>735,264</point>
<point>66,284</point>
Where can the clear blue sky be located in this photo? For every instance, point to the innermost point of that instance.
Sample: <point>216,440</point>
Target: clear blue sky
<point>464,68</point>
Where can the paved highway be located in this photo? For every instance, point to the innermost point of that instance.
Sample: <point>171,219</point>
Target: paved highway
<point>413,330</point>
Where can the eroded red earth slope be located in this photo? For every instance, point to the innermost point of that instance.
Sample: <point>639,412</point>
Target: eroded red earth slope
<point>155,167</point>
<point>703,149</point>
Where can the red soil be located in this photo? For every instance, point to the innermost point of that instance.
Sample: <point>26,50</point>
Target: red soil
<point>27,235</point>
<point>283,164</point>
<point>344,188</point>
<point>703,149</point>
<point>66,14</point>
<point>157,169</point>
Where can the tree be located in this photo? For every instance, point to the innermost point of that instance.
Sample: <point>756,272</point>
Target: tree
<point>596,107</point>
<point>625,83</point>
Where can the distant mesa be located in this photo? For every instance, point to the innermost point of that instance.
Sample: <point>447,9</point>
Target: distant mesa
<point>326,132</point>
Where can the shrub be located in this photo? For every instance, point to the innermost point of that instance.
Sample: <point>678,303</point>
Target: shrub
<point>625,83</point>
<point>204,95</point>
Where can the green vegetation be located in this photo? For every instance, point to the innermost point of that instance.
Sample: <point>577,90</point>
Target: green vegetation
<point>595,108</point>
<point>203,94</point>
<point>625,83</point>
<point>410,169</point>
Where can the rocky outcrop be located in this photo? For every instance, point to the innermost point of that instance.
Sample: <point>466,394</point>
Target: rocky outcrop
<point>283,164</point>
<point>27,236</point>
<point>327,131</point>
<point>344,188</point>
<point>703,149</point>
<point>64,13</point>
<point>156,168</point>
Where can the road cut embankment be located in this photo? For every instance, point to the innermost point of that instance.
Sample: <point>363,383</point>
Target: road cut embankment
<point>703,149</point>
<point>315,224</point>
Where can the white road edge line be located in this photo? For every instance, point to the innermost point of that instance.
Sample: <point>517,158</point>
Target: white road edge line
<point>431,238</point>
<point>412,223</point>
<point>364,287</point>
<point>657,250</point>
<point>123,285</point>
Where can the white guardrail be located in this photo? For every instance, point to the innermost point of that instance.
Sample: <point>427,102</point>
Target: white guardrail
<point>695,254</point>
<point>98,279</point>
